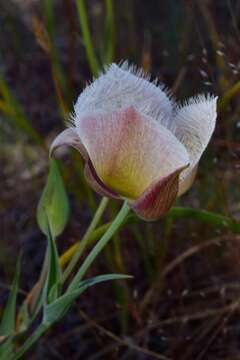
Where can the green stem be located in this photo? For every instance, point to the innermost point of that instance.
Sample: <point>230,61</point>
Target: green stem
<point>100,245</point>
<point>83,243</point>
<point>207,217</point>
<point>31,340</point>
<point>86,37</point>
<point>40,284</point>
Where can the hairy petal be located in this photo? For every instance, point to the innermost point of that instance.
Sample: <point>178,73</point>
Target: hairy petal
<point>123,86</point>
<point>130,151</point>
<point>69,137</point>
<point>195,123</point>
<point>157,199</point>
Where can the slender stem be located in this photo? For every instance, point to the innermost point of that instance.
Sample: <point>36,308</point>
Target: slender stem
<point>210,218</point>
<point>40,283</point>
<point>100,245</point>
<point>95,235</point>
<point>31,340</point>
<point>83,243</point>
<point>86,37</point>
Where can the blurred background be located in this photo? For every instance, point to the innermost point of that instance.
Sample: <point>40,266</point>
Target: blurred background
<point>184,300</point>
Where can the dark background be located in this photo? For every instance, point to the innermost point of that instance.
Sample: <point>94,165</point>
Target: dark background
<point>193,47</point>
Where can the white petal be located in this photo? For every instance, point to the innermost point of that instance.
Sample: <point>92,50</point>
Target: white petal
<point>194,125</point>
<point>121,87</point>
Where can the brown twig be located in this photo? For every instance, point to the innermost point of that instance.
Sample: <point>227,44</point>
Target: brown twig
<point>122,342</point>
<point>181,258</point>
<point>199,315</point>
<point>234,307</point>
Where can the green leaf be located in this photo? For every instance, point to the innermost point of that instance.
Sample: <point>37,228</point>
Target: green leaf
<point>101,278</point>
<point>58,308</point>
<point>7,326</point>
<point>53,293</point>
<point>53,207</point>
<point>54,274</point>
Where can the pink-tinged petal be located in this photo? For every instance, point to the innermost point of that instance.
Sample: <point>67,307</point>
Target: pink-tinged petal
<point>158,198</point>
<point>195,123</point>
<point>69,137</point>
<point>121,86</point>
<point>130,151</point>
<point>96,183</point>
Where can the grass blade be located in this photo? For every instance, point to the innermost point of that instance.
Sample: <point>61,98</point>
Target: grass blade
<point>8,323</point>
<point>110,33</point>
<point>93,63</point>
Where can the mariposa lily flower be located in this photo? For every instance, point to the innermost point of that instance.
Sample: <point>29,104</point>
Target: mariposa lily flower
<point>137,144</point>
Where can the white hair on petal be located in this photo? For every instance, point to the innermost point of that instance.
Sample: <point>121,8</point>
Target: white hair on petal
<point>124,85</point>
<point>195,122</point>
<point>70,122</point>
<point>141,73</point>
<point>198,99</point>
